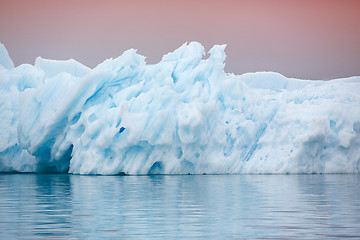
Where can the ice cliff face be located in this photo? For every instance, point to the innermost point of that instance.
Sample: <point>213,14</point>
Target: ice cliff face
<point>181,115</point>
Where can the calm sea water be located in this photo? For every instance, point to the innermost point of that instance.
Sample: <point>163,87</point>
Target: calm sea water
<point>170,207</point>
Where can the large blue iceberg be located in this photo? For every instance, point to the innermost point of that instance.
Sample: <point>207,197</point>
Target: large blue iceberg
<point>182,115</point>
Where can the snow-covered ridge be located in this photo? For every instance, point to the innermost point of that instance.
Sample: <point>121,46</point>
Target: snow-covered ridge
<point>181,115</point>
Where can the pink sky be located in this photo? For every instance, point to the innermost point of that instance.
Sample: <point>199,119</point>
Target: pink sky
<point>317,39</point>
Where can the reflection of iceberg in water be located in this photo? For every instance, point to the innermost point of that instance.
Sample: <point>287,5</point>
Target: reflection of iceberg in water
<point>182,115</point>
<point>218,206</point>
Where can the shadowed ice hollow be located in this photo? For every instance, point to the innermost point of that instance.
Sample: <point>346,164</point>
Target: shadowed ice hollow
<point>182,115</point>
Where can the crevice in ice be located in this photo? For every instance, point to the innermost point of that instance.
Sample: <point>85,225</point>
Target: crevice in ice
<point>92,118</point>
<point>156,168</point>
<point>75,118</point>
<point>187,167</point>
<point>121,129</point>
<point>246,155</point>
<point>90,101</point>
<point>179,153</point>
<point>356,127</point>
<point>228,148</point>
<point>63,164</point>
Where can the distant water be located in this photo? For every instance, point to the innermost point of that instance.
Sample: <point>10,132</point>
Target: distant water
<point>183,206</point>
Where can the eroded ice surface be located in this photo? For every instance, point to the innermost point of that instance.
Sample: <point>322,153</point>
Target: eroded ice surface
<point>181,115</point>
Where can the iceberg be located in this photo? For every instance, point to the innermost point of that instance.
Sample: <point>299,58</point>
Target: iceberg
<point>183,115</point>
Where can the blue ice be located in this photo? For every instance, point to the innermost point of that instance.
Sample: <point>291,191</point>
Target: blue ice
<point>182,115</point>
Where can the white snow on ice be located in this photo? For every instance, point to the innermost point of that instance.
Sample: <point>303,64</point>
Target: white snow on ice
<point>182,115</point>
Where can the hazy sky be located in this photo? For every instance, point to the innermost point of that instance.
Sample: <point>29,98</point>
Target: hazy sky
<point>313,39</point>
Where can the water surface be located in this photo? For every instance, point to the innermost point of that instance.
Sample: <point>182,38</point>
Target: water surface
<point>45,206</point>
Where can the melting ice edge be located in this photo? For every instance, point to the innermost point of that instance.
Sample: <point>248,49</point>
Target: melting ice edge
<point>182,115</point>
